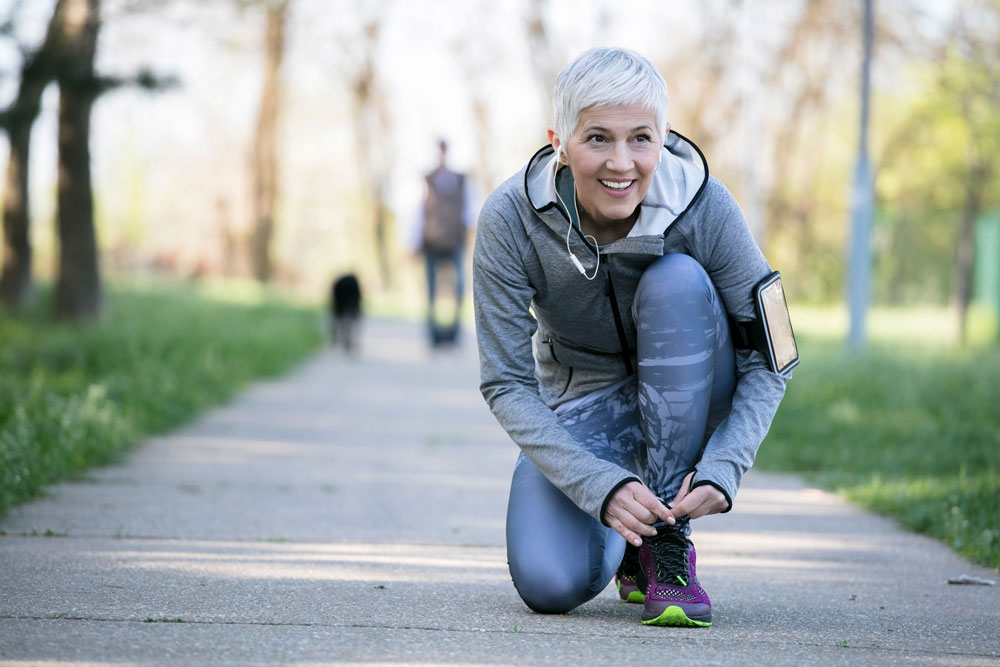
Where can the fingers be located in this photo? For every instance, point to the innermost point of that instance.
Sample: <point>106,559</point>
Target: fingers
<point>701,501</point>
<point>631,535</point>
<point>632,511</point>
<point>653,509</point>
<point>690,506</point>
<point>661,511</point>
<point>634,508</point>
<point>684,490</point>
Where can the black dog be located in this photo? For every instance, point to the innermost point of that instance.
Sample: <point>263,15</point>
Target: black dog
<point>345,310</point>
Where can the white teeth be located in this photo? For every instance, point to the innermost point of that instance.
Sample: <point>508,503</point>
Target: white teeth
<point>617,185</point>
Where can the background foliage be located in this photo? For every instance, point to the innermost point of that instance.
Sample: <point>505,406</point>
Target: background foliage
<point>908,428</point>
<point>72,396</point>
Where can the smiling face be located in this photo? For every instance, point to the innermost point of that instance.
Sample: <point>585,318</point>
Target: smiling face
<point>613,154</point>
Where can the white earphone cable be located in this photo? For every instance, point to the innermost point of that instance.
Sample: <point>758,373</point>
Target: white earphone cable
<point>576,261</point>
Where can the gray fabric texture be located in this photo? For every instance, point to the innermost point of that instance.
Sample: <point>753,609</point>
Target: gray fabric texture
<point>527,289</point>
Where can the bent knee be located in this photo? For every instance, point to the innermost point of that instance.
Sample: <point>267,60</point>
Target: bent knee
<point>672,277</point>
<point>677,271</point>
<point>553,592</point>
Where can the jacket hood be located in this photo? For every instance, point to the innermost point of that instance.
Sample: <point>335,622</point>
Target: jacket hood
<point>679,179</point>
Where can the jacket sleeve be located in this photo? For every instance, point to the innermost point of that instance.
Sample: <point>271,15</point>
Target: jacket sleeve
<point>504,330</point>
<point>726,249</point>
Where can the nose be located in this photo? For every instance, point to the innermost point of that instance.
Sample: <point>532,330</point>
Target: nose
<point>621,159</point>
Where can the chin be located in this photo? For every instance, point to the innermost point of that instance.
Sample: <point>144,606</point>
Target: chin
<point>616,213</point>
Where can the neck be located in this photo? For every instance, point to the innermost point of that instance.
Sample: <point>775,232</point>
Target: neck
<point>607,231</point>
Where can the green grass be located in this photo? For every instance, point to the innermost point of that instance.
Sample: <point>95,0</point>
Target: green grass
<point>903,428</point>
<point>72,396</point>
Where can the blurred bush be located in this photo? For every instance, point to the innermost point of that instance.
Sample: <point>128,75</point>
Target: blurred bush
<point>74,396</point>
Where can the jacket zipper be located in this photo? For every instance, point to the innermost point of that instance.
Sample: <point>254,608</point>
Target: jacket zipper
<point>609,291</point>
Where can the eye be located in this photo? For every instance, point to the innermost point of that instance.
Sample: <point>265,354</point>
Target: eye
<point>596,138</point>
<point>643,138</point>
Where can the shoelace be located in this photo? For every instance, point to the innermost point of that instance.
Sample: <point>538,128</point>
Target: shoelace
<point>670,548</point>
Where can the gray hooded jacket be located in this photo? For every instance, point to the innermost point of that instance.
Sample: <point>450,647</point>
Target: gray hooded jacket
<point>527,289</point>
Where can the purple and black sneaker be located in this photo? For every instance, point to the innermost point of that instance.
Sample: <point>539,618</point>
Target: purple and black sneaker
<point>629,578</point>
<point>673,594</point>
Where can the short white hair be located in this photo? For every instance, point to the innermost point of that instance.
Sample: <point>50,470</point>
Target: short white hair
<point>603,77</point>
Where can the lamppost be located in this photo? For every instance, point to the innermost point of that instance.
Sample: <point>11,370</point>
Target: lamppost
<point>862,205</point>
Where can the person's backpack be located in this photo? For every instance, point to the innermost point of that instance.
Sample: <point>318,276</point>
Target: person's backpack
<point>444,228</point>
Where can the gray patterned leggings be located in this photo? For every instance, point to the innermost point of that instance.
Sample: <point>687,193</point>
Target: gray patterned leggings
<point>559,556</point>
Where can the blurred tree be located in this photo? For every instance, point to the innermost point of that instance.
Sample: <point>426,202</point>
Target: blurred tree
<point>710,95</point>
<point>548,49</point>
<point>66,56</point>
<point>546,55</point>
<point>940,169</point>
<point>971,79</point>
<point>805,85</point>
<point>37,71</point>
<point>479,57</point>
<point>78,286</point>
<point>265,160</point>
<point>372,128</point>
<point>803,219</point>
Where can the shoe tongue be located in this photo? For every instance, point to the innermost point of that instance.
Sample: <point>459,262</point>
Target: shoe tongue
<point>680,526</point>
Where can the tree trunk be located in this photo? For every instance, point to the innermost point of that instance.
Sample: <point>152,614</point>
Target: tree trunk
<point>15,281</point>
<point>371,126</point>
<point>966,251</point>
<point>37,72</point>
<point>265,164</point>
<point>381,235</point>
<point>78,287</point>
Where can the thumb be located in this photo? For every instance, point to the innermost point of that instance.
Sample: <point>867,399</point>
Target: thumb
<point>686,506</point>
<point>683,491</point>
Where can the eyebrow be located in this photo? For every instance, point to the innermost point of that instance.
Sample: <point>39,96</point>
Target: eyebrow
<point>638,128</point>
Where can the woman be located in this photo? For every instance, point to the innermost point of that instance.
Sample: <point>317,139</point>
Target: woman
<point>623,260</point>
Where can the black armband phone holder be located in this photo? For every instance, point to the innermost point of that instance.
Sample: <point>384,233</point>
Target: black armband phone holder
<point>771,332</point>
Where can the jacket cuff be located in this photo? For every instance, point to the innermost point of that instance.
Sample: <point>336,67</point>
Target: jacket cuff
<point>607,498</point>
<point>709,482</point>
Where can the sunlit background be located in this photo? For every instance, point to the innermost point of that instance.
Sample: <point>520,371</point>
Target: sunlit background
<point>243,153</point>
<point>768,90</point>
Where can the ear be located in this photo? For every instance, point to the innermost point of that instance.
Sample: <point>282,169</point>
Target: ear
<point>666,132</point>
<point>557,145</point>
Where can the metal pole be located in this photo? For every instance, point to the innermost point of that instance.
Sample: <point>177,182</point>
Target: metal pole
<point>862,204</point>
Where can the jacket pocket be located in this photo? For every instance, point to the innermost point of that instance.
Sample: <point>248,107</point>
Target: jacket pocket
<point>553,376</point>
<point>575,355</point>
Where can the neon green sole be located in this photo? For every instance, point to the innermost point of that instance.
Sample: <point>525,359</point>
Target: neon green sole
<point>675,616</point>
<point>635,597</point>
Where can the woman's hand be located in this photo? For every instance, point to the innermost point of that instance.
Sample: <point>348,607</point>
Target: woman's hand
<point>706,499</point>
<point>633,510</point>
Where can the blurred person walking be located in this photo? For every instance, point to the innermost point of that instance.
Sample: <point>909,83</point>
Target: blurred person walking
<point>616,290</point>
<point>445,218</point>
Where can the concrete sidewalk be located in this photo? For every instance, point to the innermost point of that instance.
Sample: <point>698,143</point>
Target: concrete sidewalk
<point>353,512</point>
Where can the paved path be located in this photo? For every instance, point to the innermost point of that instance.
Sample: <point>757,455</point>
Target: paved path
<point>353,511</point>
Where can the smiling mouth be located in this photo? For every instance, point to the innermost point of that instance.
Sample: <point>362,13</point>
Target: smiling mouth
<point>616,185</point>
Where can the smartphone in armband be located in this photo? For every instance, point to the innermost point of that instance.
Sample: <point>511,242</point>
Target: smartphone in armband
<point>772,316</point>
